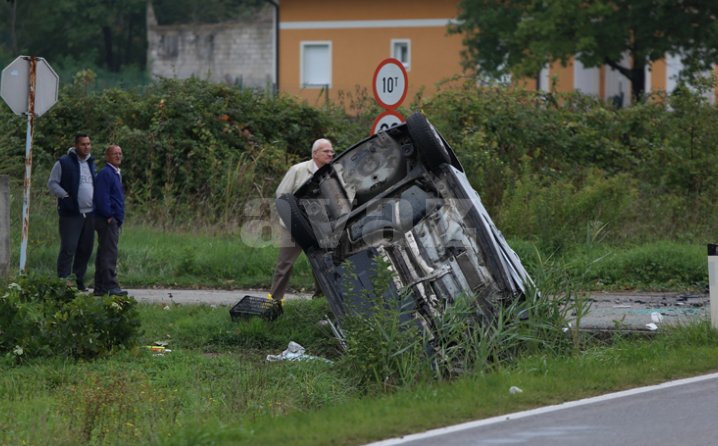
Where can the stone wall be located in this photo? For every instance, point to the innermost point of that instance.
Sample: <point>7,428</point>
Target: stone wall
<point>235,53</point>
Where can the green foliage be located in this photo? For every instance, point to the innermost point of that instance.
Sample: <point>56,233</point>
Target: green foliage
<point>563,213</point>
<point>390,345</point>
<point>44,317</point>
<point>384,346</point>
<point>384,349</point>
<point>190,11</point>
<point>184,142</point>
<point>567,169</point>
<point>565,172</point>
<point>106,34</point>
<point>659,266</point>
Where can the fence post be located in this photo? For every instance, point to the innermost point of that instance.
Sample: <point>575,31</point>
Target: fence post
<point>713,282</point>
<point>4,226</point>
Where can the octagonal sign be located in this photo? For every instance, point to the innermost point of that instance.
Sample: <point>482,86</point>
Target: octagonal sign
<point>15,85</point>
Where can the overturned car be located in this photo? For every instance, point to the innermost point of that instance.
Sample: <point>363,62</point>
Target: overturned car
<point>401,199</point>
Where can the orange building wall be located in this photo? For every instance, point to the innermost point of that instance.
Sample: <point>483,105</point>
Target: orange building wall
<point>658,75</point>
<point>313,10</point>
<point>357,52</point>
<point>563,76</point>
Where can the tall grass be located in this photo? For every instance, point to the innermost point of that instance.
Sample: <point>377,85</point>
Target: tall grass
<point>235,256</point>
<point>200,255</point>
<point>215,373</point>
<point>393,346</point>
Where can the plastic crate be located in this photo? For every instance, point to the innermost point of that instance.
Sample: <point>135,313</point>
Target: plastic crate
<point>250,306</point>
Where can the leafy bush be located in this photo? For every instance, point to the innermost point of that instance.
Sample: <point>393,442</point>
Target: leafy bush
<point>558,213</point>
<point>659,265</point>
<point>555,168</point>
<point>185,142</point>
<point>42,316</point>
<point>531,154</point>
<point>384,348</point>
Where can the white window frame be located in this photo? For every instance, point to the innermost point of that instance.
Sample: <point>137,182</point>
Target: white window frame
<point>302,46</point>
<point>407,63</point>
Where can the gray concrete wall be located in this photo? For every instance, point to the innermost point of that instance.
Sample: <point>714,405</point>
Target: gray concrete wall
<point>4,225</point>
<point>234,53</point>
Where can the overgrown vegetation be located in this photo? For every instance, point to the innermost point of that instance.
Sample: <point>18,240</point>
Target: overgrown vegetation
<point>567,170</point>
<point>602,192</point>
<point>195,150</point>
<point>556,170</point>
<point>393,342</point>
<point>215,386</point>
<point>591,197</point>
<point>42,317</point>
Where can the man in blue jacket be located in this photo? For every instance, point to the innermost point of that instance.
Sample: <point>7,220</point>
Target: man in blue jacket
<point>72,181</point>
<point>109,214</point>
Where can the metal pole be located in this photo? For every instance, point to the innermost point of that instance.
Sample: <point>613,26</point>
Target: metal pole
<point>713,282</point>
<point>28,162</point>
<point>4,226</point>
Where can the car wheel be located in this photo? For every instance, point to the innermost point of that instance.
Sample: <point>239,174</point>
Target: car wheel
<point>296,222</point>
<point>427,141</point>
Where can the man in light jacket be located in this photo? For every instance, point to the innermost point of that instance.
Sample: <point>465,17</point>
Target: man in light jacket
<point>289,250</point>
<point>72,181</point>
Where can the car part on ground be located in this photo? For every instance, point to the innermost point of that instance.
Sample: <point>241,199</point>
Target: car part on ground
<point>400,203</point>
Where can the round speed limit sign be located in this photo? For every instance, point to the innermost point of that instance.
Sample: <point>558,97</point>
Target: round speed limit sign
<point>386,120</point>
<point>390,82</point>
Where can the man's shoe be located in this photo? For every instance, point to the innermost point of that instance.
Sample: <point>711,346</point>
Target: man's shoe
<point>100,293</point>
<point>81,286</point>
<point>117,292</point>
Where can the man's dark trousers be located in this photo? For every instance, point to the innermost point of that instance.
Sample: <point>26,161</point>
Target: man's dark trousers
<point>106,258</point>
<point>77,237</point>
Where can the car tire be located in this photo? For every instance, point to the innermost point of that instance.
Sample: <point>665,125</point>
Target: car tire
<point>427,141</point>
<point>296,222</point>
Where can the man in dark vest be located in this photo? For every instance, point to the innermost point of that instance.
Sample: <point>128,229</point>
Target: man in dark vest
<point>72,181</point>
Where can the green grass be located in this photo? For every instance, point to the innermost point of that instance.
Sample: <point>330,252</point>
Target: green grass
<point>199,256</point>
<point>202,257</point>
<point>215,386</point>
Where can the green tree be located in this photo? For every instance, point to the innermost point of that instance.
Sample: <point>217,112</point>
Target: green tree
<point>107,33</point>
<point>207,11</point>
<point>522,36</point>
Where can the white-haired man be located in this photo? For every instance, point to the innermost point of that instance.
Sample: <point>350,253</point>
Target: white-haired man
<point>289,250</point>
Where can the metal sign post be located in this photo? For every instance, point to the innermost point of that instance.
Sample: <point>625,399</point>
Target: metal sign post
<point>713,282</point>
<point>32,81</point>
<point>29,86</point>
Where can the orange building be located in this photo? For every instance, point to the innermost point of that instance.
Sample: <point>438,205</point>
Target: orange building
<point>608,84</point>
<point>328,47</point>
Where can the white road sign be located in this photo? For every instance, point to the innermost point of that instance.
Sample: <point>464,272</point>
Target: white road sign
<point>15,85</point>
<point>390,83</point>
<point>386,120</point>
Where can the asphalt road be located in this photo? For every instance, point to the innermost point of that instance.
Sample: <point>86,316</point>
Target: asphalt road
<point>677,413</point>
<point>607,311</point>
<point>643,311</point>
<point>199,297</point>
